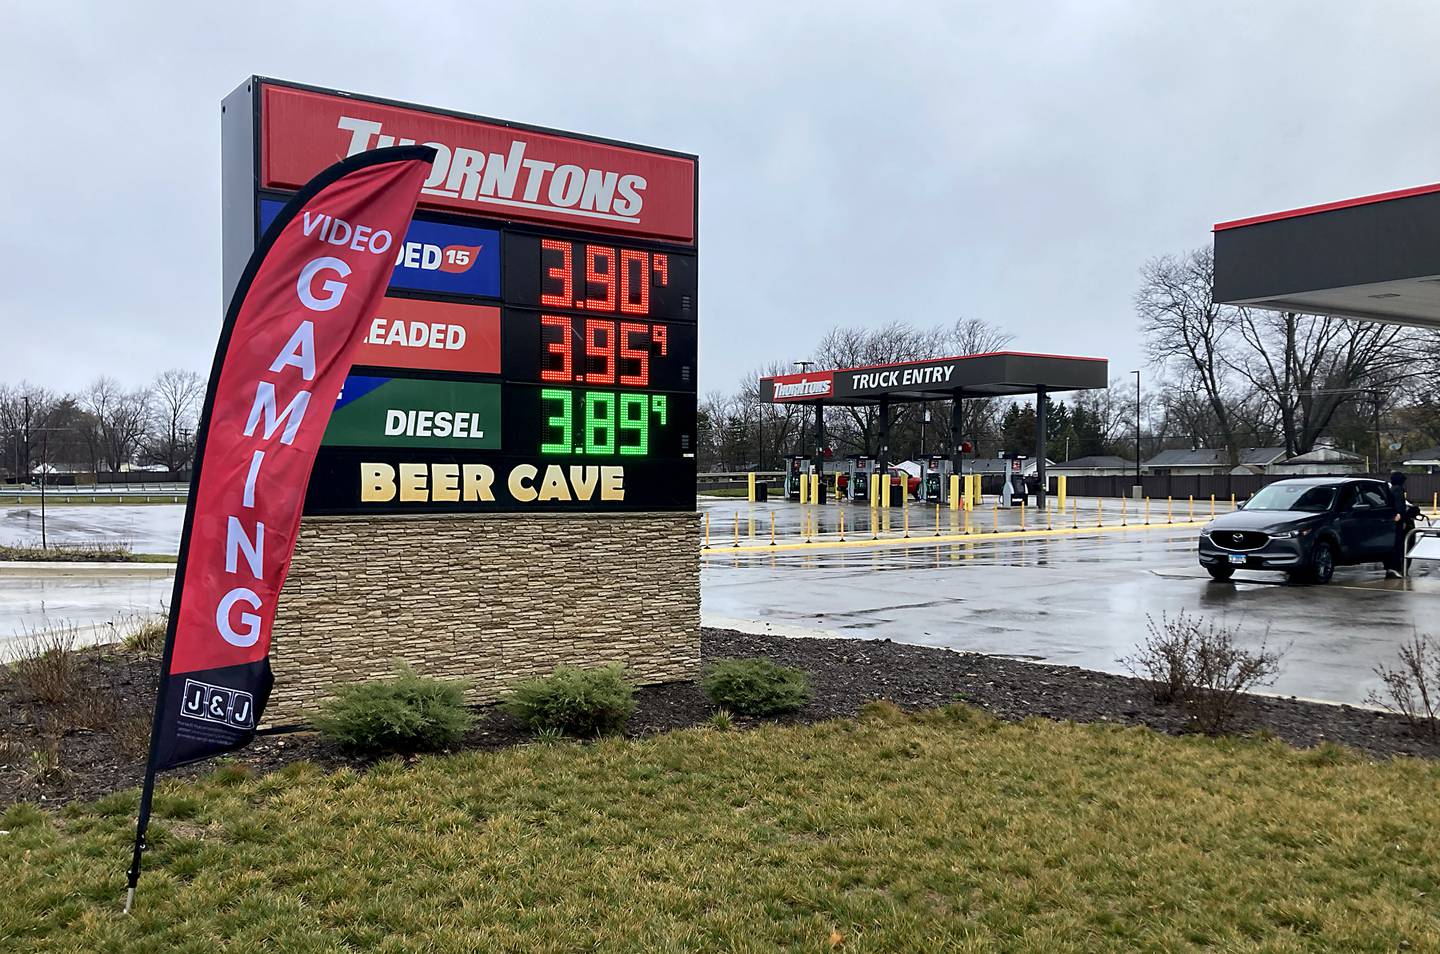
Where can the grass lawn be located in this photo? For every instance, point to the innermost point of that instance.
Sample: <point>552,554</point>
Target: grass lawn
<point>944,832</point>
<point>724,492</point>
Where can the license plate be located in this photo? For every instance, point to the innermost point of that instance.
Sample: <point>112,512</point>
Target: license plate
<point>1237,559</point>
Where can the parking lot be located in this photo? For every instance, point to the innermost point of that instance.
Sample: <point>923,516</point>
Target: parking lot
<point>1073,598</point>
<point>1080,600</point>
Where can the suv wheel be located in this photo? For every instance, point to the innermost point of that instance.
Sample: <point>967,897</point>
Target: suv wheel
<point>1322,563</point>
<point>1220,571</point>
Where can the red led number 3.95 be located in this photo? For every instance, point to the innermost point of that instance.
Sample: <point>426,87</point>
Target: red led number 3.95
<point>609,351</point>
<point>599,278</point>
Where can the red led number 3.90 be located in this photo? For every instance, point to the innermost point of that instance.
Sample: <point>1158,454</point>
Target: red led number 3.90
<point>600,278</point>
<point>600,350</point>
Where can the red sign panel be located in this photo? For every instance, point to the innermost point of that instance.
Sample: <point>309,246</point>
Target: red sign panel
<point>431,336</point>
<point>485,168</point>
<point>804,387</point>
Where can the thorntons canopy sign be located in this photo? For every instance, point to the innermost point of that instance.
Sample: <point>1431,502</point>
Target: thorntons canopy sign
<point>804,387</point>
<point>483,167</point>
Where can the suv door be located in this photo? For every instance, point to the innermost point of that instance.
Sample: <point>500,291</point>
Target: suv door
<point>1376,520</point>
<point>1353,522</point>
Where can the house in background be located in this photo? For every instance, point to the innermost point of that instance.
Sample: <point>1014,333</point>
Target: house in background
<point>1429,458</point>
<point>1322,459</point>
<point>1096,465</point>
<point>1207,461</point>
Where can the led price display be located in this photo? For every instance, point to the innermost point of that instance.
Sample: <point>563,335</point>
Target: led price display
<point>558,274</point>
<point>606,422</point>
<point>599,277</point>
<point>610,352</point>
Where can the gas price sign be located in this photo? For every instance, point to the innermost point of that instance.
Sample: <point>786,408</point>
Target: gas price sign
<point>537,348</point>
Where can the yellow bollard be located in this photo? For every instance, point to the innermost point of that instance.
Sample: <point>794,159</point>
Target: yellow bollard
<point>842,526</point>
<point>1049,521</point>
<point>737,528</point>
<point>1435,503</point>
<point>1232,502</point>
<point>1099,511</point>
<point>975,482</point>
<point>707,529</point>
<point>905,512</point>
<point>1075,515</point>
<point>815,488</point>
<point>1212,505</point>
<point>1022,515</point>
<point>750,486</point>
<point>1060,492</point>
<point>804,488</point>
<point>1147,511</point>
<point>1192,508</point>
<point>937,520</point>
<point>954,491</point>
<point>1169,510</point>
<point>1123,521</point>
<point>874,492</point>
<point>772,528</point>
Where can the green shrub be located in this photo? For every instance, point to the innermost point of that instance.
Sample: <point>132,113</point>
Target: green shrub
<point>575,701</point>
<point>408,713</point>
<point>756,687</point>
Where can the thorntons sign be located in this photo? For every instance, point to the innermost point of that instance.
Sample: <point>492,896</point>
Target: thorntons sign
<point>804,387</point>
<point>485,168</point>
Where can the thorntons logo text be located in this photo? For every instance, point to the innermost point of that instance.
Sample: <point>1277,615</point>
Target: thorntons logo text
<point>803,388</point>
<point>935,374</point>
<point>510,179</point>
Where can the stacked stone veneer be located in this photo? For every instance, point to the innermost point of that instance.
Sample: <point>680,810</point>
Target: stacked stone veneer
<point>490,599</point>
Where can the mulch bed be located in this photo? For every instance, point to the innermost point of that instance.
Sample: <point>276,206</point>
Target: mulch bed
<point>844,673</point>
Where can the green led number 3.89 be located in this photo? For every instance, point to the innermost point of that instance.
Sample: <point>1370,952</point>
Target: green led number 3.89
<point>606,422</point>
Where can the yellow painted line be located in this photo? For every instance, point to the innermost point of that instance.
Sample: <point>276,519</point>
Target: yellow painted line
<point>980,536</point>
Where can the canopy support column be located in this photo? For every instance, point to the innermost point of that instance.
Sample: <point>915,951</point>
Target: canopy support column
<point>1041,442</point>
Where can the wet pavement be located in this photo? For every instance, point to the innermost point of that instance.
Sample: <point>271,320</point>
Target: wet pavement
<point>1077,600</point>
<point>1074,600</point>
<point>97,601</point>
<point>144,528</point>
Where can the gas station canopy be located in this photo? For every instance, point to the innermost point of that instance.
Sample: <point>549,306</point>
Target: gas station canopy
<point>996,374</point>
<point>1376,258</point>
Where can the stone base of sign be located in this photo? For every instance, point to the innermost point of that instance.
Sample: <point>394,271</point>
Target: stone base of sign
<point>492,600</point>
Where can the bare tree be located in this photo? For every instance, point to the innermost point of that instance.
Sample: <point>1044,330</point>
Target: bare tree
<point>117,424</point>
<point>1306,367</point>
<point>176,399</point>
<point>1183,326</point>
<point>979,417</point>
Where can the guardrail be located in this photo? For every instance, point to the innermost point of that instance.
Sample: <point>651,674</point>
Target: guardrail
<point>69,495</point>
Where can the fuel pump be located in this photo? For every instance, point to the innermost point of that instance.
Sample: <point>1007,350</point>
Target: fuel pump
<point>935,487</point>
<point>1012,491</point>
<point>794,473</point>
<point>857,476</point>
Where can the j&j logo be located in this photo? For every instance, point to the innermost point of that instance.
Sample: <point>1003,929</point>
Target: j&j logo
<point>232,707</point>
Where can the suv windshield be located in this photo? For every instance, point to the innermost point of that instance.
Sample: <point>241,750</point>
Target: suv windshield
<point>1293,497</point>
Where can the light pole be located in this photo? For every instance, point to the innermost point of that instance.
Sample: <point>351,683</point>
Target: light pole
<point>805,366</point>
<point>1136,372</point>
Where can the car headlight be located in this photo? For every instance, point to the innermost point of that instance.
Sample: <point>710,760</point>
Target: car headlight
<point>1204,531</point>
<point>1289,534</point>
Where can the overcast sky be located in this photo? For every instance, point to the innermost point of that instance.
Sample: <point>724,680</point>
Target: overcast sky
<point>1013,162</point>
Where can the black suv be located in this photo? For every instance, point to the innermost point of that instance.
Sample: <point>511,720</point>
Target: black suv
<point>1306,527</point>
